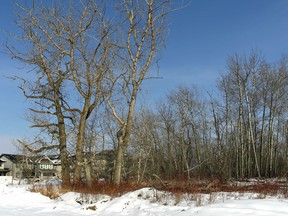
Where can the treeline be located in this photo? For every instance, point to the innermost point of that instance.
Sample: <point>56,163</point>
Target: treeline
<point>240,132</point>
<point>87,61</point>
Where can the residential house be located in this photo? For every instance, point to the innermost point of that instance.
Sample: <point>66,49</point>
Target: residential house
<point>103,164</point>
<point>21,166</point>
<point>48,167</point>
<point>3,170</point>
<point>13,165</point>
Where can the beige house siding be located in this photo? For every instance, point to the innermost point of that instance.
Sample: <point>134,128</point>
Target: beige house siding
<point>48,167</point>
<point>14,170</point>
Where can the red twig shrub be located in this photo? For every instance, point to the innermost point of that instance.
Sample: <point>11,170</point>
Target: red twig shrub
<point>180,186</point>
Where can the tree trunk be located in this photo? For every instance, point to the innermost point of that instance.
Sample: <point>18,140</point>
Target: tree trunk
<point>80,140</point>
<point>262,137</point>
<point>252,135</point>
<point>65,166</point>
<point>88,173</point>
<point>79,153</point>
<point>118,162</point>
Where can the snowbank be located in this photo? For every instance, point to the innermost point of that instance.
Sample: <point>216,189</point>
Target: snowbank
<point>5,180</point>
<point>17,200</point>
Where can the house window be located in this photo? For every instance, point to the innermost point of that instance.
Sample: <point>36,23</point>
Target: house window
<point>46,166</point>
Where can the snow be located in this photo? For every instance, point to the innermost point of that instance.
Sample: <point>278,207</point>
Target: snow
<point>18,200</point>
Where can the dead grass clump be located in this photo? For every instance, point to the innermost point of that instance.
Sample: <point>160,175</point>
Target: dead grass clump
<point>50,190</point>
<point>199,201</point>
<point>178,198</point>
<point>93,208</point>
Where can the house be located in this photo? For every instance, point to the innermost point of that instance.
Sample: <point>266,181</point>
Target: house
<point>48,167</point>
<point>3,170</point>
<point>12,165</point>
<point>103,164</point>
<point>22,166</point>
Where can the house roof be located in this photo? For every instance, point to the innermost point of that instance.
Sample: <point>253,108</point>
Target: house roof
<point>51,158</point>
<point>13,157</point>
<point>20,158</point>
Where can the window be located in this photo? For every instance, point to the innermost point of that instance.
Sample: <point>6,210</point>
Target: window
<point>46,166</point>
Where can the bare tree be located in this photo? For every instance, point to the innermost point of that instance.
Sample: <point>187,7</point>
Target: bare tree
<point>254,99</point>
<point>142,31</point>
<point>68,53</point>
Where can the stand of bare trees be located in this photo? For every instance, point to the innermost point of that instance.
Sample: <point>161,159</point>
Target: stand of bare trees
<point>255,115</point>
<point>81,57</point>
<point>87,64</point>
<point>67,50</point>
<point>241,133</point>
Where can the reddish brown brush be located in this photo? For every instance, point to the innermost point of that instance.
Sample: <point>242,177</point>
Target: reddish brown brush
<point>181,186</point>
<point>208,186</point>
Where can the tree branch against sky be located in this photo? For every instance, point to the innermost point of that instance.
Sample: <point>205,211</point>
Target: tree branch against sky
<point>202,36</point>
<point>89,63</point>
<point>68,72</point>
<point>143,36</point>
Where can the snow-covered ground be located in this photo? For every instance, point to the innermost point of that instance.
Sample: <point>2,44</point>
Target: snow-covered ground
<point>17,200</point>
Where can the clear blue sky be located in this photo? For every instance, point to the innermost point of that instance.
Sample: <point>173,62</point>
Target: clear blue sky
<point>200,39</point>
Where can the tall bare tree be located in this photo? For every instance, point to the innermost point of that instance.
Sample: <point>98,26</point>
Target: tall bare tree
<point>67,50</point>
<point>142,37</point>
<point>254,89</point>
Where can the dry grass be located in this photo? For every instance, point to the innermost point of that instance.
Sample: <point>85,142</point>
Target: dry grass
<point>50,190</point>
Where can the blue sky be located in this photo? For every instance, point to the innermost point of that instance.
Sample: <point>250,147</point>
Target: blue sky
<point>201,37</point>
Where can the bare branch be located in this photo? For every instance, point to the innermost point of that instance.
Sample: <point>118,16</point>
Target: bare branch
<point>39,150</point>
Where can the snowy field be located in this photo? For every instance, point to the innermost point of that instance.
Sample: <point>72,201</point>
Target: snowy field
<point>17,200</point>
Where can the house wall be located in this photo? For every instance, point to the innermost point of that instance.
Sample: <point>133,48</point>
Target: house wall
<point>47,169</point>
<point>15,169</point>
<point>10,165</point>
<point>102,166</point>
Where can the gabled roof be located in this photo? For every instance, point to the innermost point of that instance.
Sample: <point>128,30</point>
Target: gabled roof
<point>54,159</point>
<point>13,157</point>
<point>21,158</point>
<point>45,157</point>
